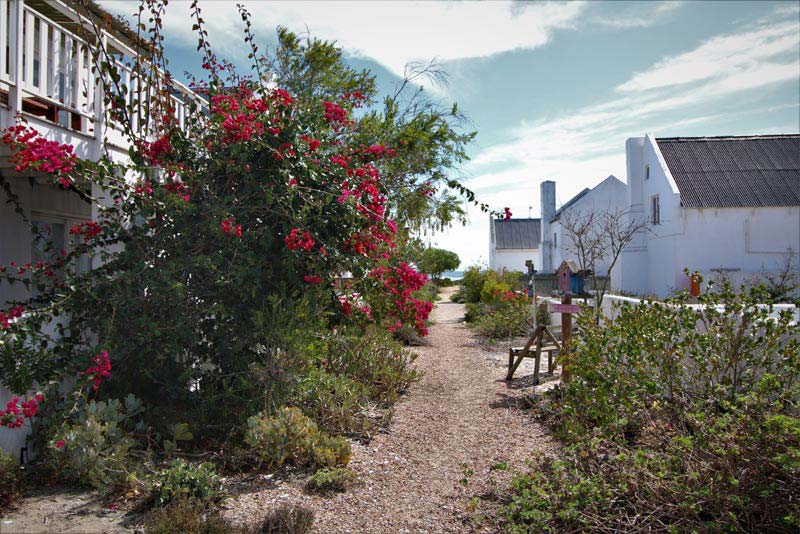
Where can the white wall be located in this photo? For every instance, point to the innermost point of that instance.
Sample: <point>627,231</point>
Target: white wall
<point>513,259</point>
<point>745,242</point>
<point>608,196</point>
<point>650,265</point>
<point>751,241</point>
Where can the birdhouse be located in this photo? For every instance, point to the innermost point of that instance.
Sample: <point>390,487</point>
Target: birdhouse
<point>570,278</point>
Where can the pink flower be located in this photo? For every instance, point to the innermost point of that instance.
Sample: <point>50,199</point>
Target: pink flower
<point>230,227</point>
<point>60,444</point>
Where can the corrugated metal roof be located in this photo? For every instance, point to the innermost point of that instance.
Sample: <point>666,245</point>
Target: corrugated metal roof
<point>729,172</point>
<point>517,233</point>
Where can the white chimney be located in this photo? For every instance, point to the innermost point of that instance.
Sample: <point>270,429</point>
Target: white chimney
<point>547,193</point>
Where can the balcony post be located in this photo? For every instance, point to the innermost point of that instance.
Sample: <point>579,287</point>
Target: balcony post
<point>16,45</point>
<point>99,104</point>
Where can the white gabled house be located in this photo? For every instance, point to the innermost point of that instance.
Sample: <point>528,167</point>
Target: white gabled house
<point>512,242</point>
<point>608,196</point>
<point>723,206</point>
<point>46,77</point>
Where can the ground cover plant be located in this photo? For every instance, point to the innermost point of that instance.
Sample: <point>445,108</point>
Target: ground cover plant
<point>497,305</point>
<point>678,418</point>
<point>253,260</point>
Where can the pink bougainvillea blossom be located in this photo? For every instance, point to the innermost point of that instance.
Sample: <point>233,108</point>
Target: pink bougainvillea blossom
<point>229,227</point>
<point>100,370</point>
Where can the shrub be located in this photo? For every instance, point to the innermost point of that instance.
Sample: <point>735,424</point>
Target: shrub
<point>289,437</point>
<point>302,177</point>
<point>509,317</point>
<point>93,446</point>
<point>472,284</point>
<point>330,451</point>
<point>337,403</point>
<point>184,516</point>
<point>355,379</point>
<point>329,480</point>
<point>681,418</point>
<point>9,478</point>
<point>289,520</point>
<point>183,481</point>
<point>375,360</point>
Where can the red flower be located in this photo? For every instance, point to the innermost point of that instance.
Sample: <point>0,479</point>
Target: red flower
<point>101,369</point>
<point>299,239</point>
<point>230,227</point>
<point>60,444</point>
<point>506,214</point>
<point>313,280</point>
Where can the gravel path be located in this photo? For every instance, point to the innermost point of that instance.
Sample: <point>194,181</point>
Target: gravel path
<point>460,417</point>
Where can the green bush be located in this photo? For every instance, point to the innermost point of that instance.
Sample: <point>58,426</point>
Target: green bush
<point>93,446</point>
<point>184,516</point>
<point>183,481</point>
<point>9,478</point>
<point>681,418</point>
<point>329,480</point>
<point>289,437</point>
<point>472,284</point>
<point>356,379</point>
<point>289,520</point>
<point>509,321</point>
<point>496,307</point>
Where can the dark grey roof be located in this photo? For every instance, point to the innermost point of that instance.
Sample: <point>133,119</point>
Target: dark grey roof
<point>729,172</point>
<point>517,233</point>
<point>569,203</point>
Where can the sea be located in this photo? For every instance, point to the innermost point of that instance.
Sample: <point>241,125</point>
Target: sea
<point>453,275</point>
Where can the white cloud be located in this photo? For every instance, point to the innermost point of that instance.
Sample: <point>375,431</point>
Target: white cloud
<point>724,55</point>
<point>391,33</point>
<point>580,148</point>
<point>652,14</point>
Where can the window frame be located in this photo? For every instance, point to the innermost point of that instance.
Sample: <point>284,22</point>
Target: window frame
<point>655,210</point>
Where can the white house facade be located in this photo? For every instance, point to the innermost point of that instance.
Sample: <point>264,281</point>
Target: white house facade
<point>608,196</point>
<point>47,79</point>
<point>512,242</point>
<point>722,206</point>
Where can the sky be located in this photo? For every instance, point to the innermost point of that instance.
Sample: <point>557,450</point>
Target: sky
<point>553,88</point>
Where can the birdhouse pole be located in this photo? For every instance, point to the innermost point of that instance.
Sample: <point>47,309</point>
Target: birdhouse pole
<point>532,283</point>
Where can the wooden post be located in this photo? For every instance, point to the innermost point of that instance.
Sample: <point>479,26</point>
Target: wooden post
<point>566,332</point>
<point>16,47</point>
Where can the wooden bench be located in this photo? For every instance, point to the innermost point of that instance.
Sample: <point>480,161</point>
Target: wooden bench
<point>534,349</point>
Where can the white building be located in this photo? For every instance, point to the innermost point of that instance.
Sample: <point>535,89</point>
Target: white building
<point>512,243</point>
<point>608,196</point>
<point>46,77</point>
<point>720,205</point>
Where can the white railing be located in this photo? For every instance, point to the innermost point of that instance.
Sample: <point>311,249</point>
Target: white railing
<point>49,68</point>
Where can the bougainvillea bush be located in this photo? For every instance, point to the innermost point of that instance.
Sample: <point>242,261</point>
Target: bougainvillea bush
<point>227,251</point>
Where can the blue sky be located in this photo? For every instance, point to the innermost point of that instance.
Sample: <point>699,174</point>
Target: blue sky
<point>553,89</point>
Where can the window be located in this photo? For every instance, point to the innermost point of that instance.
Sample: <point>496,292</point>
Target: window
<point>655,210</point>
<point>555,239</point>
<point>647,172</point>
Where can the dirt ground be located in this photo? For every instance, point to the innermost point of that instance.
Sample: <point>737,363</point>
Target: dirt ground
<point>423,475</point>
<point>461,417</point>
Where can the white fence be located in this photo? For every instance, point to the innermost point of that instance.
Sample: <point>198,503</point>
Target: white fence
<point>611,304</point>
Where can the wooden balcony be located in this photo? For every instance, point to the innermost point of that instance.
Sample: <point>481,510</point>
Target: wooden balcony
<point>47,76</point>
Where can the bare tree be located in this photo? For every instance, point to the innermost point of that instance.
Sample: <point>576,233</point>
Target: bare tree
<point>594,237</point>
<point>784,282</point>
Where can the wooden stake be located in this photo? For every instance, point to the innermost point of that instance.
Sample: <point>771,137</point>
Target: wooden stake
<point>566,332</point>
